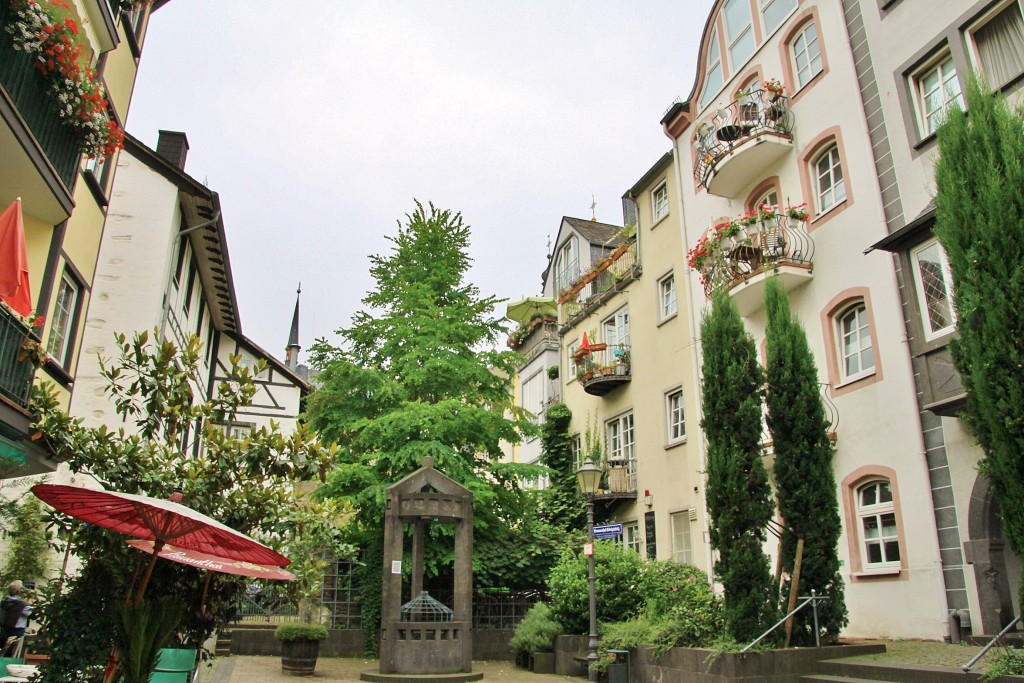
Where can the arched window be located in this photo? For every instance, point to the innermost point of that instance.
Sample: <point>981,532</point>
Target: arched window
<point>876,515</point>
<point>856,350</point>
<point>806,54</point>
<point>827,174</point>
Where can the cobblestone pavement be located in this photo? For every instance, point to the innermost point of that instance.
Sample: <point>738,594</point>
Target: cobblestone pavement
<point>238,669</point>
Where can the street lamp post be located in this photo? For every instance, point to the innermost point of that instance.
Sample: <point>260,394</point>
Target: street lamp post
<point>589,478</point>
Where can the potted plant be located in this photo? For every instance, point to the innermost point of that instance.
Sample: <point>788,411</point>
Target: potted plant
<point>535,636</point>
<point>300,647</point>
<point>553,372</point>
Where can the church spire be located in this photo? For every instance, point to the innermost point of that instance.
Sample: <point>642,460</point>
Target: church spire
<point>291,354</point>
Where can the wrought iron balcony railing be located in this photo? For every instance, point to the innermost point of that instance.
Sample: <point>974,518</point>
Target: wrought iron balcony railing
<point>604,278</point>
<point>773,240</point>
<point>15,374</point>
<point>758,112</point>
<point>27,88</point>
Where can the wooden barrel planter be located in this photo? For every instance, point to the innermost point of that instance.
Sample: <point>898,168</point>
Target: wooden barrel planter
<point>298,657</point>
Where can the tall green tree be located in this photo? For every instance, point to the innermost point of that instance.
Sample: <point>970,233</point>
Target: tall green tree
<point>28,557</point>
<point>418,374</point>
<point>247,483</point>
<point>805,482</point>
<point>979,220</point>
<point>738,493</point>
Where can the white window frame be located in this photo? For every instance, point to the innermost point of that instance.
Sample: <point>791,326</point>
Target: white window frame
<point>668,297</point>
<point>620,441</point>
<point>568,254</point>
<point>930,332</point>
<point>58,344</point>
<point>532,395</point>
<point>828,178</point>
<point>616,328</point>
<point>934,101</point>
<point>808,49</point>
<point>682,536</point>
<point>570,361</point>
<point>714,77</point>
<point>659,202</point>
<point>766,7</point>
<point>875,515</point>
<point>743,34</point>
<point>631,539</point>
<point>675,417</point>
<point>972,42</point>
<point>846,340</point>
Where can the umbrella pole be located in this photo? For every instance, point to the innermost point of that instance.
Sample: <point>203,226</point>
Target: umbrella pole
<point>206,590</point>
<point>157,546</point>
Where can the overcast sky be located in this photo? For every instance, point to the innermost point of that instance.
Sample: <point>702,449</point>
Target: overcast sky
<point>319,123</point>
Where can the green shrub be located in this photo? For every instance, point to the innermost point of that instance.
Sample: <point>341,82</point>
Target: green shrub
<point>536,632</point>
<point>619,594</point>
<point>1009,662</point>
<point>300,632</point>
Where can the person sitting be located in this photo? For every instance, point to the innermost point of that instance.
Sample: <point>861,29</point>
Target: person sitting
<point>14,616</point>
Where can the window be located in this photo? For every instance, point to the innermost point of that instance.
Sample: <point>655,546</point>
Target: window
<point>682,543</point>
<point>740,30</point>
<point>621,441</point>
<point>532,399</point>
<point>570,360</point>
<point>806,55</point>
<point>567,268</point>
<point>62,321</point>
<point>659,202</point>
<point>998,45</point>
<point>631,536</point>
<point>938,90</point>
<point>616,329</point>
<point>675,416</point>
<point>576,450</point>
<point>179,269</point>
<point>186,303</point>
<point>829,185</point>
<point>774,12</point>
<point>237,430</point>
<point>771,198</point>
<point>210,332</point>
<point>667,304</point>
<point>856,353</point>
<point>713,74</point>
<point>934,288</point>
<point>877,520</point>
<point>98,168</point>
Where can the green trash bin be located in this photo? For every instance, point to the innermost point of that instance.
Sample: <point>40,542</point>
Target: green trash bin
<point>618,670</point>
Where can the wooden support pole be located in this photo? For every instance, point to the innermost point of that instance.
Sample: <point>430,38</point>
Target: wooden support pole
<point>794,589</point>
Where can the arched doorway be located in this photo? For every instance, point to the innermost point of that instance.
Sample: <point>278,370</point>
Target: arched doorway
<point>996,565</point>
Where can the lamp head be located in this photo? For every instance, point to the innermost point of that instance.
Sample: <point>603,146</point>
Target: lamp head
<point>588,476</point>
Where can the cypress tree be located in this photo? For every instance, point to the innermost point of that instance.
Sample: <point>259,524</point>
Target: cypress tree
<point>979,220</point>
<point>805,482</point>
<point>738,493</point>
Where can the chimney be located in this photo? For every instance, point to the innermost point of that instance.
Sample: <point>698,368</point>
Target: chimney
<point>173,146</point>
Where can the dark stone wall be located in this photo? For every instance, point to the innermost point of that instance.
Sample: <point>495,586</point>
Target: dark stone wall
<point>488,644</point>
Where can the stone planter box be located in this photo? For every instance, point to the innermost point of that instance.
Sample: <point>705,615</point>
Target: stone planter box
<point>776,666</point>
<point>542,662</point>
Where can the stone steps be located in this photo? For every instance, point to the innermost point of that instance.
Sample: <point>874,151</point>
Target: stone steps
<point>223,648</point>
<point>849,671</point>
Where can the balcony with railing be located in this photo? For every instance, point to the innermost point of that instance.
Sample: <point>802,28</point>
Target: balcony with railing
<point>743,139</point>
<point>600,368</point>
<point>741,254</point>
<point>16,369</point>
<point>606,277</point>
<point>55,151</point>
<point>831,422</point>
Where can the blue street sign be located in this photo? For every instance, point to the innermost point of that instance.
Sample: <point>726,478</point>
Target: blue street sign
<point>608,531</point>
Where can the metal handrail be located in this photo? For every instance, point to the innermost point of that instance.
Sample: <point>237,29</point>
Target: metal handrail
<point>813,600</point>
<point>967,667</point>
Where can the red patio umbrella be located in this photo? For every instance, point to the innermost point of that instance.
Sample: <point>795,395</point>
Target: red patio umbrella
<point>160,521</point>
<point>15,289</point>
<point>213,563</point>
